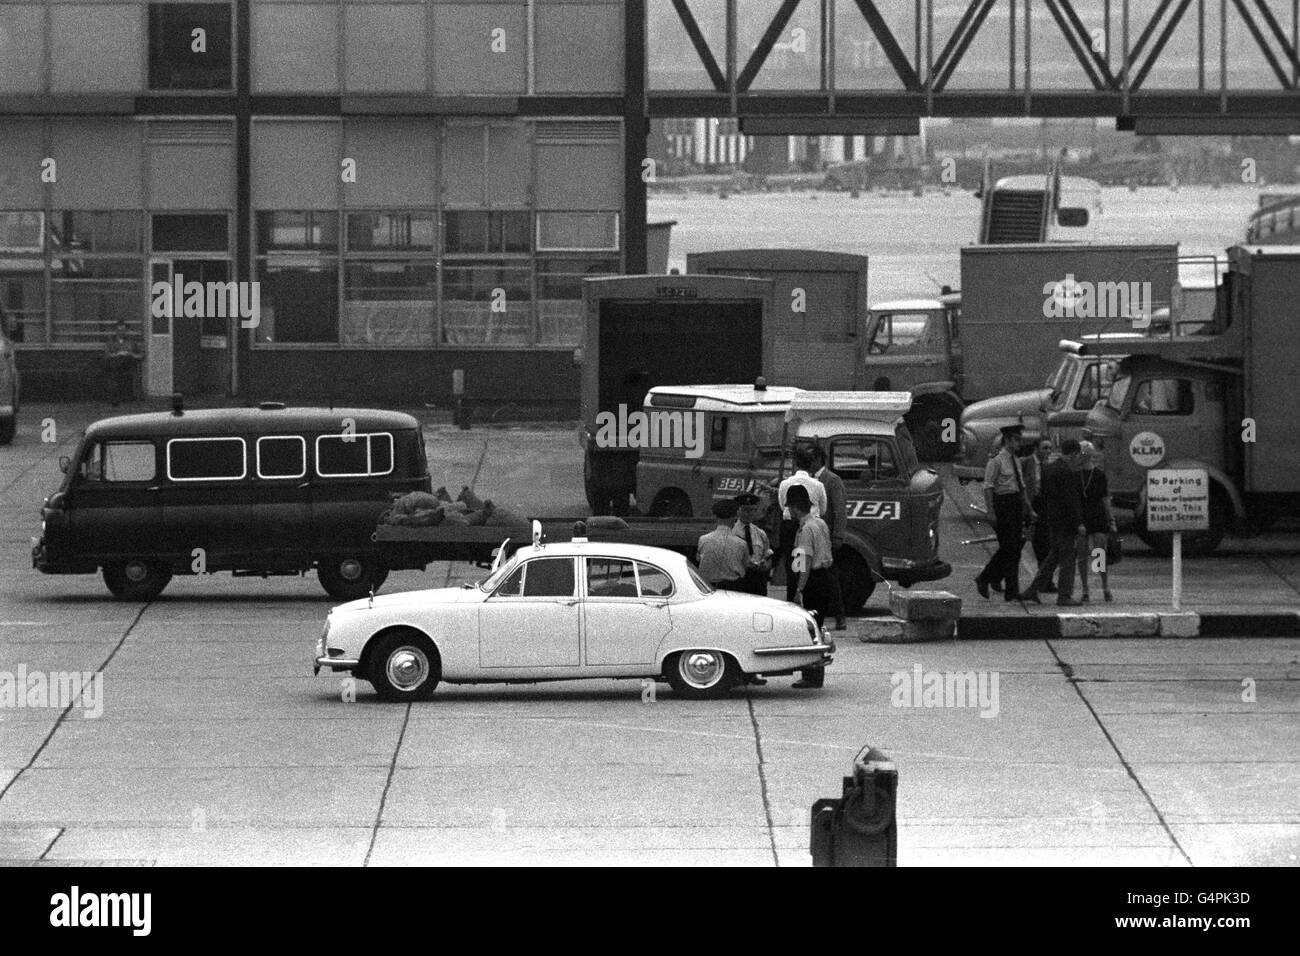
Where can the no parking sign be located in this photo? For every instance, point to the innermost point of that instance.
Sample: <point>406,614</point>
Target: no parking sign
<point>1178,500</point>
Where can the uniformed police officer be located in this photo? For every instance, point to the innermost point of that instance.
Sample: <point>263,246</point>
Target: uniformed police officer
<point>1007,501</point>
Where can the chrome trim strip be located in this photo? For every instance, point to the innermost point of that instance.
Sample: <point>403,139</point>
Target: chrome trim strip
<point>800,649</point>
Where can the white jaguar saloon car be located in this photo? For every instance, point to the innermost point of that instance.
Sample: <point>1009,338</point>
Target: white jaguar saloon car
<point>569,611</point>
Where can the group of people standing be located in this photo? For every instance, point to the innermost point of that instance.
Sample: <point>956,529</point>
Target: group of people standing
<point>1066,504</point>
<point>737,555</point>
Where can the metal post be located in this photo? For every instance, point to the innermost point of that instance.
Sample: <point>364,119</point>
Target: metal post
<point>1125,89</point>
<point>1011,45</point>
<point>929,58</point>
<point>731,54</point>
<point>1178,570</point>
<point>1223,56</point>
<point>1029,34</point>
<point>1200,46</point>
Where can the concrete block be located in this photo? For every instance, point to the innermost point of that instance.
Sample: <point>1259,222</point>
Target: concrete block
<point>893,630</point>
<point>1180,624</point>
<point>1115,624</point>
<point>924,605</point>
<point>880,630</point>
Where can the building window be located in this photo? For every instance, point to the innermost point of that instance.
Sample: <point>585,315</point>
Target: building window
<point>577,232</point>
<point>189,46</point>
<point>22,275</point>
<point>559,297</point>
<point>96,275</point>
<point>390,280</point>
<point>190,232</point>
<point>298,269</point>
<point>487,303</point>
<point>485,233</point>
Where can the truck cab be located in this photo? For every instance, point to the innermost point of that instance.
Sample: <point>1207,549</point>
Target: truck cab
<point>915,345</point>
<point>1168,414</point>
<point>893,502</point>
<point>1059,409</point>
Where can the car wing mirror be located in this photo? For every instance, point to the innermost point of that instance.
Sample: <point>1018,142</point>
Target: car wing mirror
<point>500,555</point>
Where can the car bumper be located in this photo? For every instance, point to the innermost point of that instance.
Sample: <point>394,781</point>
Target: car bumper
<point>42,562</point>
<point>335,663</point>
<point>807,654</point>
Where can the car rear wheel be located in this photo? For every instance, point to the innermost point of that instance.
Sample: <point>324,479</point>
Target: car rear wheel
<point>137,579</point>
<point>404,666</point>
<point>702,674</point>
<point>352,577</point>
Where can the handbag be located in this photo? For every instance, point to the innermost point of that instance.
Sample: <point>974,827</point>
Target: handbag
<point>1114,550</point>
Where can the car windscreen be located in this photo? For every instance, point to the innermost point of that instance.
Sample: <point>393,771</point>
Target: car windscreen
<point>765,433</point>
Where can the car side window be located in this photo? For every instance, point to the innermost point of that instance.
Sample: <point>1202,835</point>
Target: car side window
<point>512,586</point>
<point>654,582</point>
<point>610,577</point>
<point>548,577</point>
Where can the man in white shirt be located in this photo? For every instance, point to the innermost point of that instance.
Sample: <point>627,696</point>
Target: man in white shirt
<point>803,476</point>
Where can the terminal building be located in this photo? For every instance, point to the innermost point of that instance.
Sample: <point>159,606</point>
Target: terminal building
<point>419,188</point>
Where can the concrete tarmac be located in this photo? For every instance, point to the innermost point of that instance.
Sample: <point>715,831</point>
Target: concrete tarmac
<point>217,746</point>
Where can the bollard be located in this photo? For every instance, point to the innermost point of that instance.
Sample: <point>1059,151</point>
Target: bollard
<point>860,827</point>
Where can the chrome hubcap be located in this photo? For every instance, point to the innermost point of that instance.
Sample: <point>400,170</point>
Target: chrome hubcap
<point>702,668</point>
<point>407,668</point>
<point>350,569</point>
<point>136,571</point>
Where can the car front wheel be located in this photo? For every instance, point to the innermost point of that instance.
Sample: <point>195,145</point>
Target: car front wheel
<point>701,674</point>
<point>137,579</point>
<point>404,666</point>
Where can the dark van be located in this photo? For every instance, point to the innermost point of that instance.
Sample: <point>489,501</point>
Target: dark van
<point>256,491</point>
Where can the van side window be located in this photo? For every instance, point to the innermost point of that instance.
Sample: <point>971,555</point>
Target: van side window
<point>120,461</point>
<point>206,459</point>
<point>281,456</point>
<point>718,433</point>
<point>863,459</point>
<point>354,456</point>
<point>1163,396</point>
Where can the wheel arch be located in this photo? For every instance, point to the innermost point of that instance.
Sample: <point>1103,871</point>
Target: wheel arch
<point>363,666</point>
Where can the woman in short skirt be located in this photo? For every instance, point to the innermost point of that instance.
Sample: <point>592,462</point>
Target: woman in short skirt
<point>1097,519</point>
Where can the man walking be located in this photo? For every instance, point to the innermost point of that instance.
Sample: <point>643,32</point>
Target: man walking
<point>812,571</point>
<point>1007,501</point>
<point>802,478</point>
<point>723,558</point>
<point>1063,512</point>
<point>1041,538</point>
<point>837,520</point>
<point>758,551</point>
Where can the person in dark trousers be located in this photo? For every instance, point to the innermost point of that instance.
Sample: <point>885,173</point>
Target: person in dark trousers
<point>802,477</point>
<point>1097,519</point>
<point>811,565</point>
<point>758,551</point>
<point>1007,501</point>
<point>837,520</point>
<point>121,356</point>
<point>1063,512</point>
<point>723,558</point>
<point>1040,538</point>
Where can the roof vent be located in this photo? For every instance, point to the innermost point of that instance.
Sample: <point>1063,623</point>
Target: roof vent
<point>271,406</point>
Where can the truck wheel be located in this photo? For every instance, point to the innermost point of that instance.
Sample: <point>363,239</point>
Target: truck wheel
<point>1195,543</point>
<point>857,583</point>
<point>671,503</point>
<point>700,674</point>
<point>137,579</point>
<point>404,666</point>
<point>351,577</point>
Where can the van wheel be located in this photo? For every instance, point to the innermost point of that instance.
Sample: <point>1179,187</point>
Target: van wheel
<point>672,503</point>
<point>404,666</point>
<point>700,674</point>
<point>857,583</point>
<point>137,579</point>
<point>351,577</point>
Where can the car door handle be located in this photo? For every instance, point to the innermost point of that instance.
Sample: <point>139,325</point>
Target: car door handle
<point>569,603</point>
<point>305,484</point>
<point>154,488</point>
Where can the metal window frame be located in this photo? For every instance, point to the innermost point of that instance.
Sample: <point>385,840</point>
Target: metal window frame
<point>302,443</point>
<point>369,472</point>
<point>243,445</point>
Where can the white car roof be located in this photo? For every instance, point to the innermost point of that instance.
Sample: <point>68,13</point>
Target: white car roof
<point>874,406</point>
<point>724,398</point>
<point>610,549</point>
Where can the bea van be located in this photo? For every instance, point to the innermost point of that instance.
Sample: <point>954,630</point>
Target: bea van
<point>255,491</point>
